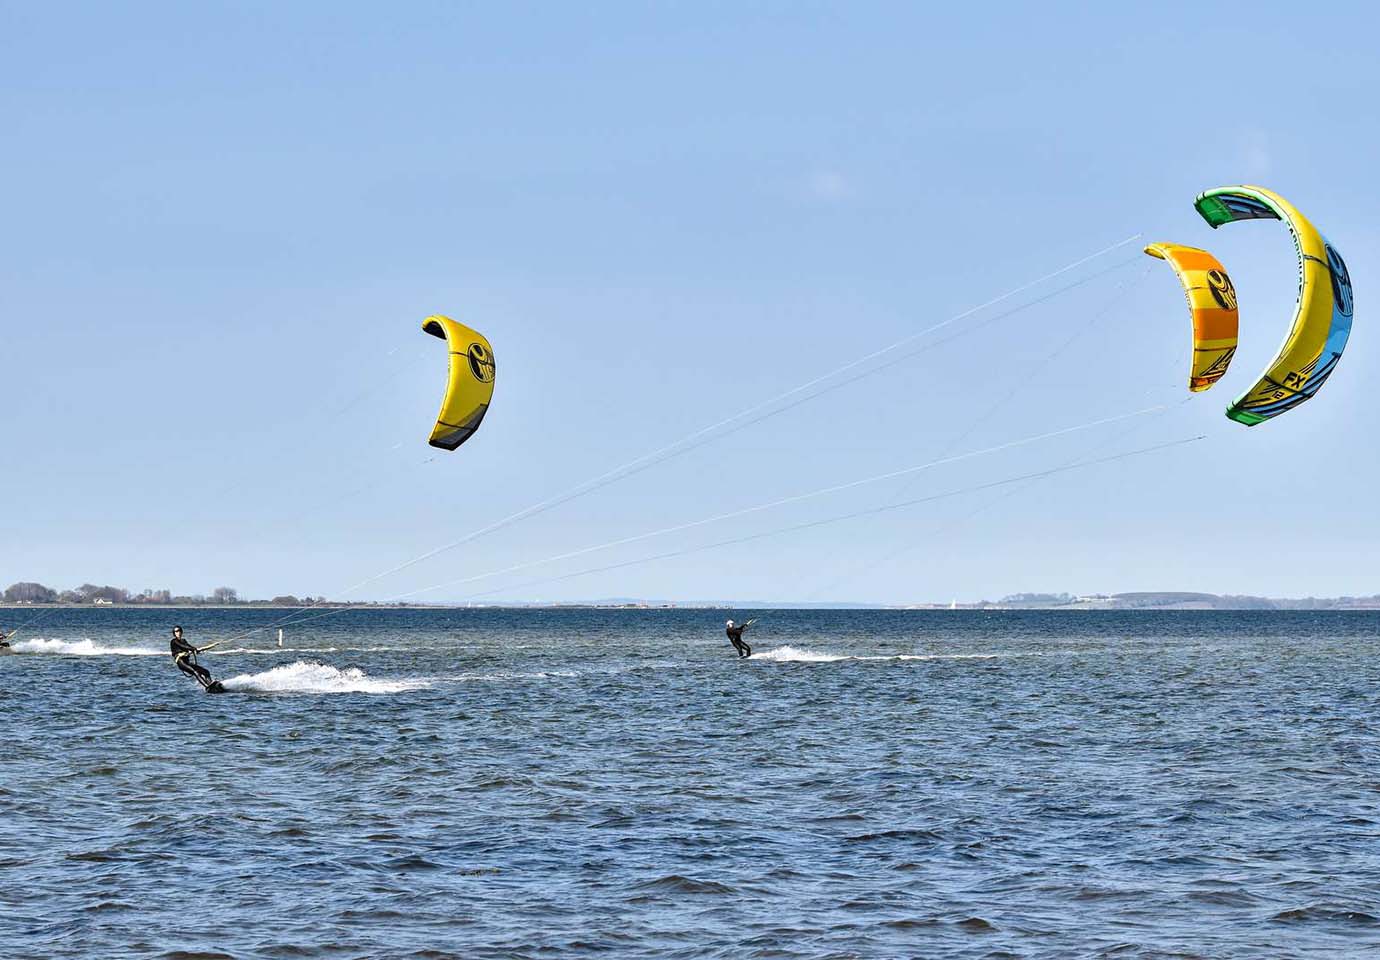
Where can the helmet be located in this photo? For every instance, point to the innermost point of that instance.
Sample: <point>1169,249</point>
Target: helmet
<point>730,623</point>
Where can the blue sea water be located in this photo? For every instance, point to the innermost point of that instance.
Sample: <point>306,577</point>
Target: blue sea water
<point>569,783</point>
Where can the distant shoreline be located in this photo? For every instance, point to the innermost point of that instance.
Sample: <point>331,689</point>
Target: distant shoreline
<point>1118,603</point>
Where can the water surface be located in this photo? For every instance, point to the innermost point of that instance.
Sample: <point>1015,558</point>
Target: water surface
<point>529,783</point>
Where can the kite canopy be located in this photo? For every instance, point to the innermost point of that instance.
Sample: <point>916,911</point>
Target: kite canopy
<point>471,383</point>
<point>1322,315</point>
<point>1212,304</point>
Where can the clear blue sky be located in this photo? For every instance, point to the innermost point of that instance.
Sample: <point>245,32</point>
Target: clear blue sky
<point>223,224</point>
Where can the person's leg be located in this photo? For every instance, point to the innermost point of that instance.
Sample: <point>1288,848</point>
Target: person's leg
<point>747,650</point>
<point>196,671</point>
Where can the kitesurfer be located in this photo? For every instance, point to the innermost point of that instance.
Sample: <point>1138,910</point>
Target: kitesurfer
<point>5,639</point>
<point>735,637</point>
<point>184,655</point>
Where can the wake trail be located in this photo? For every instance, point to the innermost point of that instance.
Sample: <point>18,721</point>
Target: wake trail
<point>269,651</point>
<point>80,648</point>
<point>305,676</point>
<point>790,654</point>
<point>504,676</point>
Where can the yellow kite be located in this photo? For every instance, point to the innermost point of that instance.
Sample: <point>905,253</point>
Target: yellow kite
<point>471,384</point>
<point>1212,303</point>
<point>1322,315</point>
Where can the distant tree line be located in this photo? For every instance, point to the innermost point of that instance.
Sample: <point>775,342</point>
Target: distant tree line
<point>28,592</point>
<point>1050,598</point>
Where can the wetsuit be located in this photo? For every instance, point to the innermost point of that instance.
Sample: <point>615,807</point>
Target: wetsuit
<point>735,637</point>
<point>5,641</point>
<point>184,655</point>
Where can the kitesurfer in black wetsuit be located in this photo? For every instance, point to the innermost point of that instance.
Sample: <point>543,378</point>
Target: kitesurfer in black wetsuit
<point>735,637</point>
<point>5,639</point>
<point>184,655</point>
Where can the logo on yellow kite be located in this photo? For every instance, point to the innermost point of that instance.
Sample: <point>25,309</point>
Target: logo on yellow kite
<point>1222,290</point>
<point>1341,280</point>
<point>481,363</point>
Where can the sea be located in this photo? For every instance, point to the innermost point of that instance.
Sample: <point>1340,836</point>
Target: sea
<point>551,783</point>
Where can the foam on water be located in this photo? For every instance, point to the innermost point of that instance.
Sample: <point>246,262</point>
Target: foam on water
<point>789,654</point>
<point>80,648</point>
<point>266,651</point>
<point>307,676</point>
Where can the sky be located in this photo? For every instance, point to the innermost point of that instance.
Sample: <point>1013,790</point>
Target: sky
<point>224,224</point>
